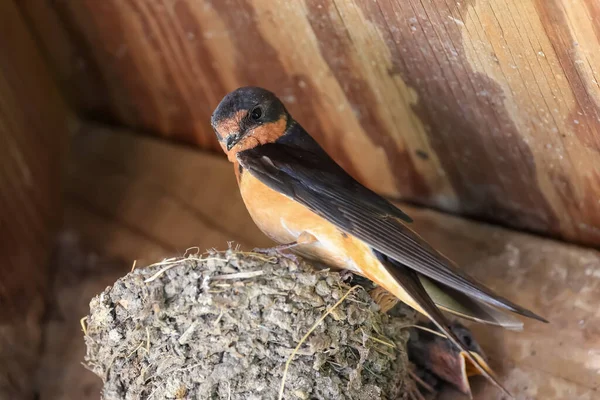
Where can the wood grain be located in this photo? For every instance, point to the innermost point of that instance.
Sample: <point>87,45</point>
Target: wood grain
<point>33,135</point>
<point>165,205</point>
<point>488,108</point>
<point>558,360</point>
<point>140,199</point>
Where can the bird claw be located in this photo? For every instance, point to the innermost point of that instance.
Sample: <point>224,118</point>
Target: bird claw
<point>290,256</point>
<point>276,251</point>
<point>384,299</point>
<point>346,275</point>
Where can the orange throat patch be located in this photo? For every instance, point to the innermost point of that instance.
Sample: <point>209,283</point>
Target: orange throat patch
<point>263,134</point>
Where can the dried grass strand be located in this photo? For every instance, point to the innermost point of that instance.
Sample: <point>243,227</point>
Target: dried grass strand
<point>239,275</point>
<point>169,263</point>
<point>427,330</point>
<point>82,322</point>
<point>421,382</point>
<point>316,324</point>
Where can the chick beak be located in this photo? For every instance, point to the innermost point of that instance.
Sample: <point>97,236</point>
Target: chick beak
<point>438,356</point>
<point>460,376</point>
<point>452,367</point>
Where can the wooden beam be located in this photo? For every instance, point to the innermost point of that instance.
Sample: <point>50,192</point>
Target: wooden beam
<point>33,136</point>
<point>486,108</point>
<point>160,199</point>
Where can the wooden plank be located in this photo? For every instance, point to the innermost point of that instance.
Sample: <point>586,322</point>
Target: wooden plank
<point>80,274</point>
<point>486,108</point>
<point>33,135</point>
<point>546,361</point>
<point>141,199</point>
<point>154,189</point>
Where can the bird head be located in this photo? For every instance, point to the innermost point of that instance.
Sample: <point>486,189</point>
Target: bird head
<point>247,117</point>
<point>440,357</point>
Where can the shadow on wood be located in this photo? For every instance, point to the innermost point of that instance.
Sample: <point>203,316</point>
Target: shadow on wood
<point>33,135</point>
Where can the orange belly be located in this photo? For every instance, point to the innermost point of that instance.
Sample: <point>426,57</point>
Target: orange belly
<point>284,220</point>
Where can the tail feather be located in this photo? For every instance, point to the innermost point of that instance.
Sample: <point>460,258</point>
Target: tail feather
<point>410,282</point>
<point>460,304</point>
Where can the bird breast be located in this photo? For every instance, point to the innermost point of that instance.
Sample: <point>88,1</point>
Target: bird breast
<point>283,220</point>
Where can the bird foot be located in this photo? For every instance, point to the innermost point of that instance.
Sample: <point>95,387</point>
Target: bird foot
<point>278,251</point>
<point>290,256</point>
<point>384,299</point>
<point>346,275</point>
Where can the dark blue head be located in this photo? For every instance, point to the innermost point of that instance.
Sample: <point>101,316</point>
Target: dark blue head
<point>244,110</point>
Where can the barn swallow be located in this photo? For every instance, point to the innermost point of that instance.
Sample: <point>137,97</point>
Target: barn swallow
<point>303,200</point>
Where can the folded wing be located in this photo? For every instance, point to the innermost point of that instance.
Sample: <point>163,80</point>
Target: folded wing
<point>298,168</point>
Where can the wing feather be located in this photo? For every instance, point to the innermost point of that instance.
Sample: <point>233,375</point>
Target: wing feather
<point>309,176</point>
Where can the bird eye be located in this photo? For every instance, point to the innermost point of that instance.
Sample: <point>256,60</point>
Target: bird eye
<point>256,113</point>
<point>467,340</point>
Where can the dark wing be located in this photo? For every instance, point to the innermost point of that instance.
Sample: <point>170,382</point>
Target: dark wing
<point>299,168</point>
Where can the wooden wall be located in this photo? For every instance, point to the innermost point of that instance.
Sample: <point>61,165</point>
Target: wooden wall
<point>33,134</point>
<point>490,108</point>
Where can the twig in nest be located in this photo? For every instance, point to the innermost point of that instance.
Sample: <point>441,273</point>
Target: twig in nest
<point>421,382</point>
<point>187,333</point>
<point>415,394</point>
<point>392,345</point>
<point>270,260</point>
<point>187,368</point>
<point>384,342</point>
<point>426,330</point>
<point>218,318</point>
<point>170,263</point>
<point>153,391</point>
<point>147,340</point>
<point>82,322</point>
<point>166,261</point>
<point>141,345</point>
<point>239,275</point>
<point>134,350</point>
<point>191,248</point>
<point>133,266</point>
<point>173,262</point>
<point>161,271</point>
<point>289,360</point>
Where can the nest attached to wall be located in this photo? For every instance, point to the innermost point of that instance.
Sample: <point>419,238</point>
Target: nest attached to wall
<point>236,325</point>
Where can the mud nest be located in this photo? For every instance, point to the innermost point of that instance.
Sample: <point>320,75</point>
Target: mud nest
<point>224,325</point>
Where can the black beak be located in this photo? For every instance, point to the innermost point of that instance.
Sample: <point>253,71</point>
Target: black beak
<point>231,141</point>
